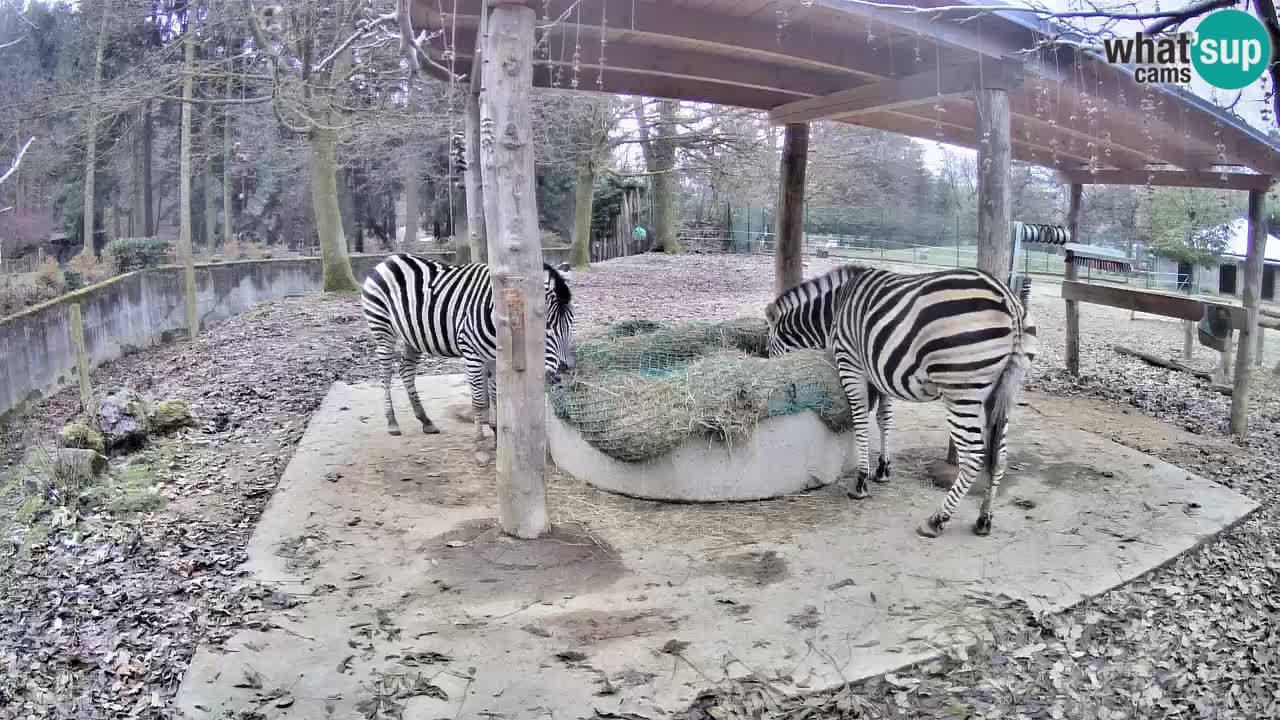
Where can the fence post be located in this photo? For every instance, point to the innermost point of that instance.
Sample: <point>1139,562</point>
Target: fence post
<point>82,358</point>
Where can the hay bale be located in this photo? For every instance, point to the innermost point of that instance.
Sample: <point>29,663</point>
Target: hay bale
<point>639,395</point>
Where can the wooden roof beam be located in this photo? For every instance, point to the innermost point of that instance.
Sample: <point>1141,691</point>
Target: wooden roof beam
<point>960,135</point>
<point>916,89</point>
<point>1187,139</point>
<point>968,36</point>
<point>658,23</point>
<point>1169,178</point>
<point>1161,144</point>
<point>631,57</point>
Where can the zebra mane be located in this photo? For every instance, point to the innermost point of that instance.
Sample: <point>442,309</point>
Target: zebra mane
<point>810,290</point>
<point>563,295</point>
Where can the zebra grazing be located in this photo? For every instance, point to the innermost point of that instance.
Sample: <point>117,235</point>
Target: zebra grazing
<point>960,335</point>
<point>447,311</point>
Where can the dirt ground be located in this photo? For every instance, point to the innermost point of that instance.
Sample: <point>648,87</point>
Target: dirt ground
<point>100,613</point>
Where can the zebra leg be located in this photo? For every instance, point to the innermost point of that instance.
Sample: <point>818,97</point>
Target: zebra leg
<point>983,525</point>
<point>387,366</point>
<point>855,389</point>
<point>966,421</point>
<point>409,376</point>
<point>884,419</point>
<point>481,407</point>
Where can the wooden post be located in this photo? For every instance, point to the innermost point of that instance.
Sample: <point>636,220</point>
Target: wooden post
<point>82,358</point>
<point>1262,341</point>
<point>1072,353</point>
<point>515,261</point>
<point>789,254</point>
<point>1251,297</point>
<point>995,250</point>
<point>995,246</point>
<point>1223,372</point>
<point>1188,339</point>
<point>471,176</point>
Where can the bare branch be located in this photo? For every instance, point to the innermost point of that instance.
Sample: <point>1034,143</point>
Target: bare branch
<point>16,161</point>
<point>1185,14</point>
<point>1267,9</point>
<point>11,43</point>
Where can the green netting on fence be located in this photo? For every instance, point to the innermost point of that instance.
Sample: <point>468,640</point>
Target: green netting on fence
<point>643,388</point>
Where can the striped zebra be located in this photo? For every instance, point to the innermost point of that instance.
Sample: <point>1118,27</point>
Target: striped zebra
<point>434,308</point>
<point>959,335</point>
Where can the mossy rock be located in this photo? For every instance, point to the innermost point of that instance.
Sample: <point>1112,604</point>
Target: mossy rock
<point>82,436</point>
<point>124,421</point>
<point>171,415</point>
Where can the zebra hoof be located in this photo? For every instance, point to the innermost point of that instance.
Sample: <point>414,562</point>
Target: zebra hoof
<point>929,528</point>
<point>429,429</point>
<point>858,494</point>
<point>882,472</point>
<point>983,526</point>
<point>394,431</point>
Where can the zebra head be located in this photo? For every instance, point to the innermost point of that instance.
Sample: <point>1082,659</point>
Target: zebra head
<point>561,353</point>
<point>801,318</point>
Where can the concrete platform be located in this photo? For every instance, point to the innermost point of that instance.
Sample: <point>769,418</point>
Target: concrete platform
<point>409,595</point>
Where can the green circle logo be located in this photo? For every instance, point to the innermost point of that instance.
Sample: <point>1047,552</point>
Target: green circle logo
<point>1232,49</point>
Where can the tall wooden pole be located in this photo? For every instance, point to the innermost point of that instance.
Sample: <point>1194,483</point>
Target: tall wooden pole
<point>1072,353</point>
<point>995,243</point>
<point>789,253</point>
<point>471,176</point>
<point>515,262</point>
<point>995,251</point>
<point>1251,296</point>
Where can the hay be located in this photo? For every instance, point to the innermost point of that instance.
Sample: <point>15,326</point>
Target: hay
<point>643,388</point>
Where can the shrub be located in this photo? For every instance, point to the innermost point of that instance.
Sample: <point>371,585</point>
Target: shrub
<point>131,254</point>
<point>21,291</point>
<point>86,269</point>
<point>50,276</point>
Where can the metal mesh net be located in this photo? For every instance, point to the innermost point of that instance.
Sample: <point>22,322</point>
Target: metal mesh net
<point>643,388</point>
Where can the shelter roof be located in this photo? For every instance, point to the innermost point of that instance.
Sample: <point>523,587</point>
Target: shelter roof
<point>886,64</point>
<point>1237,232</point>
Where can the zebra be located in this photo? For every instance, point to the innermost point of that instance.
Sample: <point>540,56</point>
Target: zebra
<point>434,308</point>
<point>960,335</point>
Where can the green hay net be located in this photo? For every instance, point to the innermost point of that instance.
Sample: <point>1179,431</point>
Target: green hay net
<point>644,388</point>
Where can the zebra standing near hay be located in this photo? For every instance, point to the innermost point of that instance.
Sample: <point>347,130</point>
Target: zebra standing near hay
<point>959,335</point>
<point>433,308</point>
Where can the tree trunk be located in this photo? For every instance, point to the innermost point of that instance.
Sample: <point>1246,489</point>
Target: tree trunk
<point>516,268</point>
<point>664,185</point>
<point>660,159</point>
<point>91,137</point>
<point>582,205</point>
<point>334,258</point>
<point>184,163</point>
<point>228,220</point>
<point>148,136</point>
<point>338,276</point>
<point>136,210</point>
<point>210,182</point>
<point>410,191</point>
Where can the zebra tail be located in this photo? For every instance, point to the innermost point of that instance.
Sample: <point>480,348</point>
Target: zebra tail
<point>1004,394</point>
